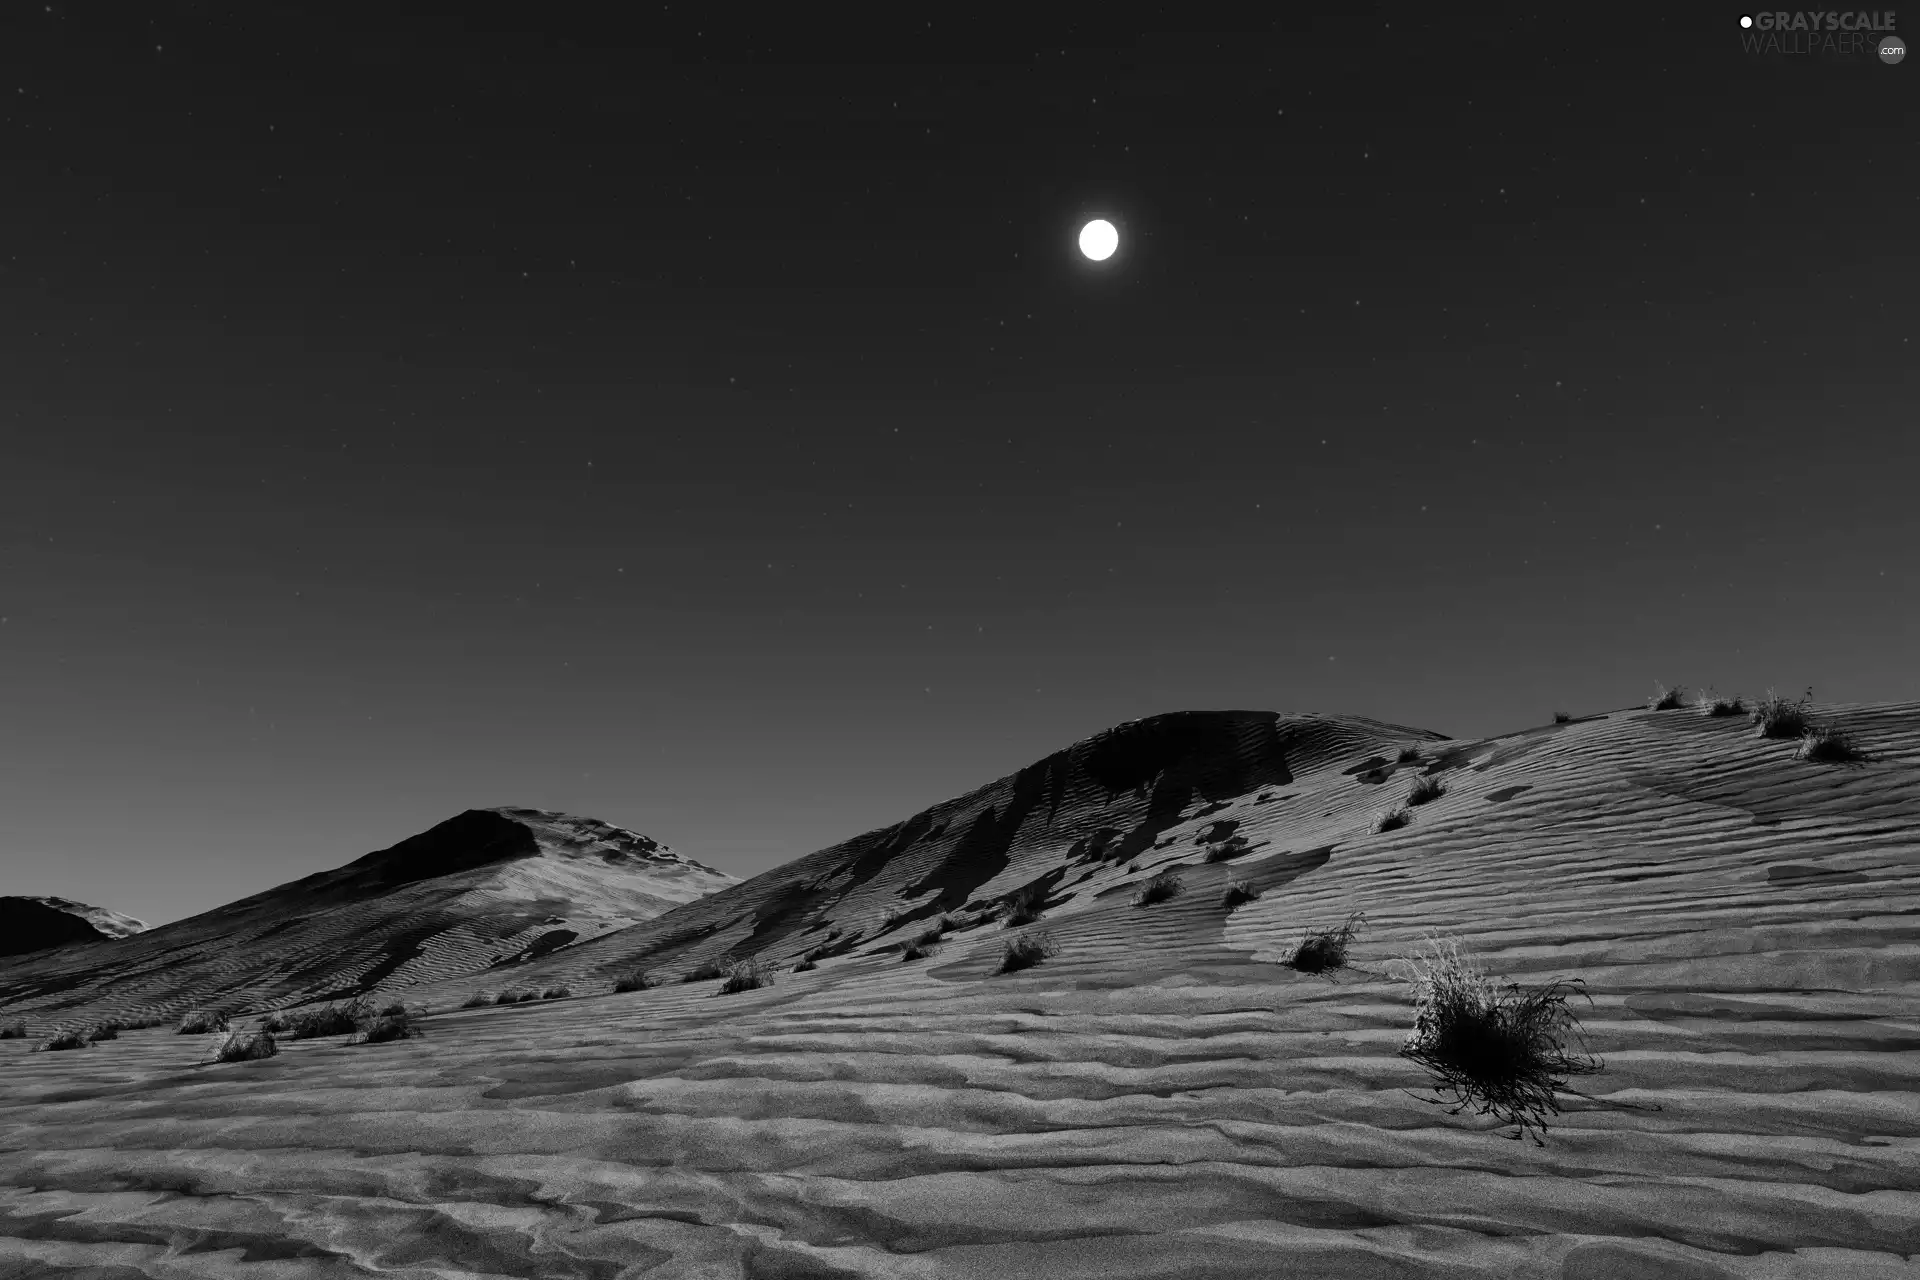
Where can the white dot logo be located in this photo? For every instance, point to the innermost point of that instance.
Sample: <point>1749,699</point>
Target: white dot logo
<point>1746,20</point>
<point>1892,49</point>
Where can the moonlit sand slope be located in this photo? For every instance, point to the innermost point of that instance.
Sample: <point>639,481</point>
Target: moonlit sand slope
<point>1161,1098</point>
<point>486,886</point>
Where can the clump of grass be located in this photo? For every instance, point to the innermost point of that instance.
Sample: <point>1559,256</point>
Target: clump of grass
<point>926,942</point>
<point>557,993</point>
<point>108,1030</point>
<point>1778,717</point>
<point>1712,704</point>
<point>1024,905</point>
<point>1829,744</point>
<point>1238,892</point>
<point>142,1024</point>
<point>1562,717</point>
<point>636,981</point>
<point>1393,819</point>
<point>1665,699</point>
<point>385,1027</point>
<point>805,964</point>
<point>1026,951</point>
<point>916,951</point>
<point>478,1000</point>
<point>1425,789</point>
<point>393,1009</point>
<point>241,1047</point>
<point>1499,1051</point>
<point>15,1030</point>
<point>526,997</point>
<point>1227,850</point>
<point>1408,755</point>
<point>509,996</point>
<point>200,1021</point>
<point>705,971</point>
<point>1326,950</point>
<point>747,975</point>
<point>328,1020</point>
<point>1159,888</point>
<point>68,1039</point>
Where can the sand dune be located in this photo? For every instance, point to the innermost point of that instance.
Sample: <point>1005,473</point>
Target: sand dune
<point>1162,1097</point>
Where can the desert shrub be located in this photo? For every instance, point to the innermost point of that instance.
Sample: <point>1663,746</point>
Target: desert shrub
<point>15,1030</point>
<point>1713,704</point>
<point>705,970</point>
<point>1026,951</point>
<point>1665,699</point>
<point>1778,717</point>
<point>557,993</point>
<point>200,1021</point>
<point>1427,788</point>
<point>509,996</point>
<point>385,1027</point>
<point>1227,849</point>
<point>240,1047</point>
<point>636,981</point>
<point>1159,888</point>
<point>526,997</point>
<point>1829,744</point>
<point>478,1000</point>
<point>891,921</point>
<point>393,1009</point>
<point>920,948</point>
<point>1499,1051</point>
<point>746,975</point>
<point>1393,819</point>
<point>1024,905</point>
<point>1325,950</point>
<point>1562,717</point>
<point>935,930</point>
<point>68,1039</point>
<point>142,1024</point>
<point>328,1020</point>
<point>1238,892</point>
<point>804,965</point>
<point>1408,755</point>
<point>104,1031</point>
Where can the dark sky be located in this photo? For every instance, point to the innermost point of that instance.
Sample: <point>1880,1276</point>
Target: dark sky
<point>712,429</point>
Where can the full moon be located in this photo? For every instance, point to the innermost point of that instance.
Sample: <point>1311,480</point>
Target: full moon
<point>1098,239</point>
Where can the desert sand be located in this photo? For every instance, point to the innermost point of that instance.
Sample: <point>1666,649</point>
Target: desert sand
<point>1163,1096</point>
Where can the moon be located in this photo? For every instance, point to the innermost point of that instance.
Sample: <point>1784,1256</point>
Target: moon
<point>1098,239</point>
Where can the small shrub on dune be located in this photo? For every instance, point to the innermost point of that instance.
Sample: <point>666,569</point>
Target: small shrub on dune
<point>1026,951</point>
<point>1712,704</point>
<point>105,1031</point>
<point>1562,717</point>
<point>69,1039</point>
<point>1327,950</point>
<point>804,965</point>
<point>924,943</point>
<point>200,1021</point>
<point>478,1000</point>
<point>1830,745</point>
<point>1499,1051</point>
<point>328,1020</point>
<point>636,982</point>
<point>746,975</point>
<point>142,1024</point>
<point>526,997</point>
<point>240,1047</point>
<point>385,1027</point>
<point>1161,887</point>
<point>1665,699</point>
<point>1227,850</point>
<point>15,1030</point>
<point>508,996</point>
<point>557,993</point>
<point>1408,755</point>
<point>1778,717</point>
<point>393,1009</point>
<point>1392,820</point>
<point>1426,789</point>
<point>705,970</point>
<point>1238,892</point>
<point>1023,906</point>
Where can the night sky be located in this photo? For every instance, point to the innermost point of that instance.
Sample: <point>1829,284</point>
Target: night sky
<point>713,429</point>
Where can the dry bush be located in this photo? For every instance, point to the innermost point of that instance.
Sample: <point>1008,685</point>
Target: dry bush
<point>1712,704</point>
<point>1326,950</point>
<point>1665,699</point>
<point>1778,717</point>
<point>1023,906</point>
<point>636,981</point>
<point>1026,951</point>
<point>557,993</point>
<point>385,1027</point>
<point>1497,1050</point>
<point>328,1020</point>
<point>1562,717</point>
<point>200,1021</point>
<point>1227,850</point>
<point>1408,755</point>
<point>525,997</point>
<point>393,1009</point>
<point>1426,789</point>
<point>240,1047</point>
<point>1238,892</point>
<point>104,1031</point>
<point>1830,745</point>
<point>705,970</point>
<point>1392,820</point>
<point>1161,887</point>
<point>804,965</point>
<point>68,1039</point>
<point>15,1030</point>
<point>746,975</point>
<point>478,1000</point>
